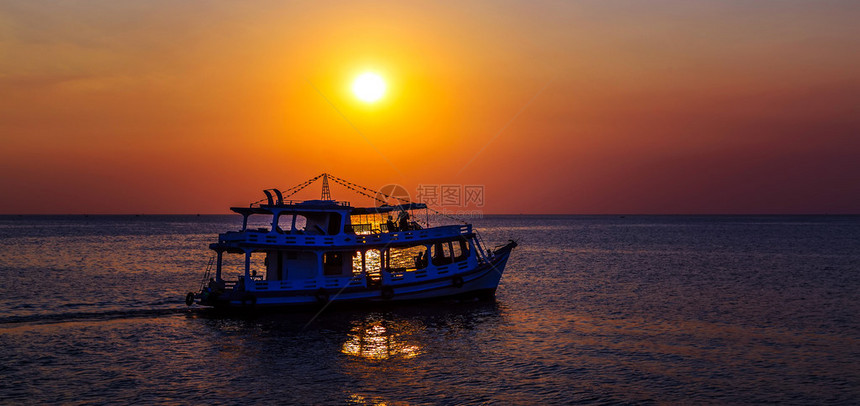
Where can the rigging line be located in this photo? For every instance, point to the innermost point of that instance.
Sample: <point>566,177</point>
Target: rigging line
<point>358,191</point>
<point>301,185</point>
<point>339,180</point>
<point>373,191</point>
<point>311,180</point>
<point>367,189</point>
<point>308,183</point>
<point>399,198</point>
<point>349,185</point>
<point>437,212</point>
<point>372,197</point>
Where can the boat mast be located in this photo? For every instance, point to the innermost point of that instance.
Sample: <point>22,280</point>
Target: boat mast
<point>326,193</point>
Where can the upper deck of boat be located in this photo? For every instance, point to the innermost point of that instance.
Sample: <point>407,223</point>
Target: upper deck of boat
<point>321,206</point>
<point>295,206</point>
<point>262,238</point>
<point>329,225</point>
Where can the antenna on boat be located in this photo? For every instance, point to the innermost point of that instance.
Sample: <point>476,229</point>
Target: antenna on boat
<point>326,193</point>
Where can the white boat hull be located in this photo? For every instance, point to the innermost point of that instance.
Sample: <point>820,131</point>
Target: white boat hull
<point>481,282</point>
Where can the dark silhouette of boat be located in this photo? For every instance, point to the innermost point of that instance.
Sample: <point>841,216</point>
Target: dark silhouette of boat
<point>317,252</point>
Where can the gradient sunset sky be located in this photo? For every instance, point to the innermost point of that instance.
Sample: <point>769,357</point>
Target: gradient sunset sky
<point>555,107</point>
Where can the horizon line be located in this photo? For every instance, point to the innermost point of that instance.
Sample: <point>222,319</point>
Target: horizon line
<point>464,215</point>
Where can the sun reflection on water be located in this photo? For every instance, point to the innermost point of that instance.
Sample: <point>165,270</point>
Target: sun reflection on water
<point>357,399</point>
<point>375,341</point>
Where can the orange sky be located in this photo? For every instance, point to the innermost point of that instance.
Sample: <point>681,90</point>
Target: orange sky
<point>575,107</point>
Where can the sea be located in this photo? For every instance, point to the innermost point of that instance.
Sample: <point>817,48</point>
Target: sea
<point>590,310</point>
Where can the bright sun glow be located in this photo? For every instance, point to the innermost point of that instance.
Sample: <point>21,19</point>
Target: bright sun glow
<point>369,87</point>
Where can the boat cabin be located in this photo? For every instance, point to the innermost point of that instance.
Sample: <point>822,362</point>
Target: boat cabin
<point>328,244</point>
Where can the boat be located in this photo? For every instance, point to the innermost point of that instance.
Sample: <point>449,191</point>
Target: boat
<point>291,253</point>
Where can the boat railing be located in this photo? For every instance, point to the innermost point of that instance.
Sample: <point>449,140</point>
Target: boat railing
<point>328,282</point>
<point>301,203</point>
<point>267,237</point>
<point>400,276</point>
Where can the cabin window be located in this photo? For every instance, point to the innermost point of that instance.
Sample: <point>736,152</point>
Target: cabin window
<point>407,258</point>
<point>373,223</point>
<point>373,262</point>
<point>285,223</point>
<point>258,223</point>
<point>233,264</point>
<point>323,224</point>
<point>441,254</point>
<point>360,224</point>
<point>360,229</point>
<point>356,263</point>
<point>460,249</point>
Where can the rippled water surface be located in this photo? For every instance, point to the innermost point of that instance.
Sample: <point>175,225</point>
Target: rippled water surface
<point>595,309</point>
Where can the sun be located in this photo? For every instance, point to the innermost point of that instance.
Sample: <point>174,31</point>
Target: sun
<point>368,87</point>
